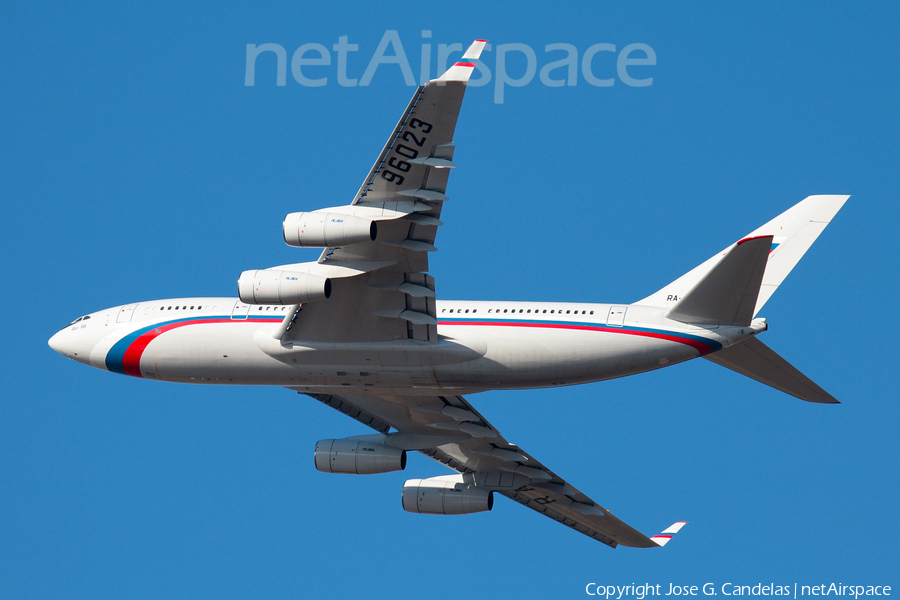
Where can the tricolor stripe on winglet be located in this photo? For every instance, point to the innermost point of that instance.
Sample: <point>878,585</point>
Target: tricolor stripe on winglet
<point>663,538</point>
<point>462,70</point>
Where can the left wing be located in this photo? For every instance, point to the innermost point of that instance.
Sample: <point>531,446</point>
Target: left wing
<point>381,289</point>
<point>451,431</point>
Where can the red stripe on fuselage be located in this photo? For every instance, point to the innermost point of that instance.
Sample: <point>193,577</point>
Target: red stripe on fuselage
<point>699,346</point>
<point>131,361</point>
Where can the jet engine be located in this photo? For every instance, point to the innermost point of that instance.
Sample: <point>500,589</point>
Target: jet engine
<point>269,286</point>
<point>326,230</point>
<point>447,495</point>
<point>358,457</point>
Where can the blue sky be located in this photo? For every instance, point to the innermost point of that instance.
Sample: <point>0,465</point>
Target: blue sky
<point>136,164</point>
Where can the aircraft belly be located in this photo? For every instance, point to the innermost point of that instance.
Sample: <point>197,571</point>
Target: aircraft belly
<point>523,358</point>
<point>467,358</point>
<point>246,353</point>
<point>210,353</point>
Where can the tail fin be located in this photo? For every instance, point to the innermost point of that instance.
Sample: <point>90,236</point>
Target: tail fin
<point>757,361</point>
<point>791,234</point>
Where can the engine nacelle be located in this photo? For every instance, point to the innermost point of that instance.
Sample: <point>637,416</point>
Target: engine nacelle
<point>447,495</point>
<point>357,457</point>
<point>326,230</point>
<point>281,287</point>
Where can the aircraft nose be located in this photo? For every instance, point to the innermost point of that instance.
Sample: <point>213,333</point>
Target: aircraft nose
<point>58,343</point>
<point>65,343</point>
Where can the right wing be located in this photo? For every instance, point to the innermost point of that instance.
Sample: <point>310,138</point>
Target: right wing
<point>449,430</point>
<point>389,295</point>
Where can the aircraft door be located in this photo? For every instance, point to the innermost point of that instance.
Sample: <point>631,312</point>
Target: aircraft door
<point>240,311</point>
<point>616,316</point>
<point>125,313</point>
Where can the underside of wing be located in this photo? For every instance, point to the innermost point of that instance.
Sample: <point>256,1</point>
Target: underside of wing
<point>380,287</point>
<point>449,430</point>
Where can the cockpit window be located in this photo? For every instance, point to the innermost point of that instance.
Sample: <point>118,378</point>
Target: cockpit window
<point>78,320</point>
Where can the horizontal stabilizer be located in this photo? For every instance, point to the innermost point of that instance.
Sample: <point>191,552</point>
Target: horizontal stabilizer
<point>727,294</point>
<point>757,361</point>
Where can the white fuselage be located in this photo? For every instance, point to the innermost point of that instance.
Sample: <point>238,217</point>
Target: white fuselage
<point>483,345</point>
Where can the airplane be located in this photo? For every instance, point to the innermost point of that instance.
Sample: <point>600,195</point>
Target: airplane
<point>361,330</point>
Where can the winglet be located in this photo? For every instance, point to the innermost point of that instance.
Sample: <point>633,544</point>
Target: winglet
<point>663,538</point>
<point>474,50</point>
<point>462,70</point>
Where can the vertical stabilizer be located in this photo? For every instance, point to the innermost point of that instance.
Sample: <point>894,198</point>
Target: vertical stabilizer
<point>792,233</point>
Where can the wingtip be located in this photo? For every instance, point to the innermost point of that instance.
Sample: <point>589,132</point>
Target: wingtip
<point>663,538</point>
<point>474,51</point>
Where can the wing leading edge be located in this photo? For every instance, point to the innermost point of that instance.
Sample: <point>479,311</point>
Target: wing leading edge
<point>449,430</point>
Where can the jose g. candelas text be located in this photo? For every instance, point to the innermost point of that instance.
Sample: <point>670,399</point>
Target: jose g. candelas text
<point>639,592</point>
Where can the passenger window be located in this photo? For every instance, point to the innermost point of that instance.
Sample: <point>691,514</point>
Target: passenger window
<point>592,312</point>
<point>467,311</point>
<point>505,310</point>
<point>568,311</point>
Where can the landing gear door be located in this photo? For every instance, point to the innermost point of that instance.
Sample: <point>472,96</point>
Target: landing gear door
<point>616,316</point>
<point>125,313</point>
